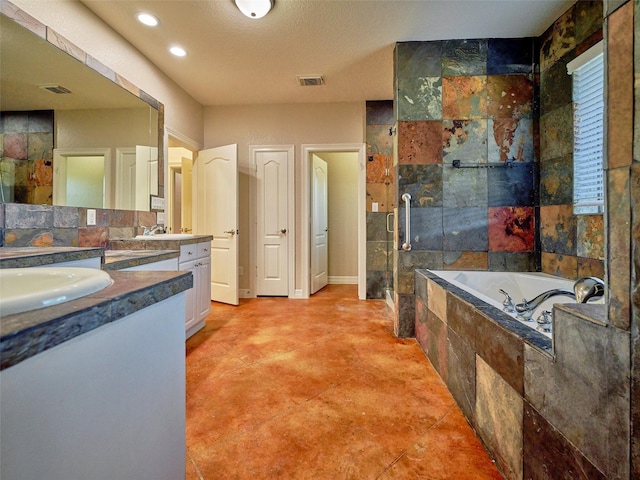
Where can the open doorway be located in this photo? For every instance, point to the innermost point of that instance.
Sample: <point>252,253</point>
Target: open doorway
<point>346,218</point>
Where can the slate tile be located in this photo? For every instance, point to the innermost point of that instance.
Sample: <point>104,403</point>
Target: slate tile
<point>420,142</point>
<point>556,181</point>
<point>464,187</point>
<point>510,96</point>
<point>510,139</point>
<point>619,243</point>
<point>548,454</point>
<point>379,112</point>
<point>556,87</point>
<point>499,413</point>
<point>423,183</point>
<point>591,236</point>
<point>419,98</point>
<point>558,40</point>
<point>464,97</point>
<point>512,55</point>
<point>404,326</point>
<point>465,229</point>
<point>461,374</point>
<point>426,228</point>
<point>511,229</point>
<point>512,262</point>
<point>512,186</point>
<point>418,59</point>
<point>464,140</point>
<point>378,140</point>
<point>560,265</point>
<point>464,57</point>
<point>466,261</point>
<point>558,229</point>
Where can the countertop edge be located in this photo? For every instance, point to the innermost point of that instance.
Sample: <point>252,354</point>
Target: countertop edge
<point>27,334</point>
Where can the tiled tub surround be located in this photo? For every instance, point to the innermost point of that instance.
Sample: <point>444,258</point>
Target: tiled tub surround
<point>543,412</point>
<point>485,101</point>
<point>24,335</point>
<point>486,286</point>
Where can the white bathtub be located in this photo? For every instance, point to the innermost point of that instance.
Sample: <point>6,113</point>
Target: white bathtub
<point>486,286</point>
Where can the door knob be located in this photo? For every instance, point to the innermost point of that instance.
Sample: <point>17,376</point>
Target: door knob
<point>283,231</point>
<point>230,232</point>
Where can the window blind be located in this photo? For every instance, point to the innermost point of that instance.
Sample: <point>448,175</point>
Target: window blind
<point>588,101</point>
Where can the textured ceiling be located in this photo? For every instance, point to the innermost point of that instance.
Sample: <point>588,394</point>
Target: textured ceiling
<point>235,60</point>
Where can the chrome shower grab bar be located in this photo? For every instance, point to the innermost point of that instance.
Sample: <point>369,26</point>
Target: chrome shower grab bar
<point>407,219</point>
<point>389,229</point>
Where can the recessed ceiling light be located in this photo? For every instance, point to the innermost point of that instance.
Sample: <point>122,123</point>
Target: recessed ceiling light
<point>147,19</point>
<point>178,51</point>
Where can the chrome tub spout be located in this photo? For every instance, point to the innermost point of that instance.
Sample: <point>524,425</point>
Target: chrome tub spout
<point>528,306</point>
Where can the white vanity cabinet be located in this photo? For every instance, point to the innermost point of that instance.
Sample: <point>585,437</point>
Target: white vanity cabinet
<point>196,257</point>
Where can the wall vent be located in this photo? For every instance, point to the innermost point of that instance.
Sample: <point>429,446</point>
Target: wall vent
<point>310,80</point>
<point>55,88</point>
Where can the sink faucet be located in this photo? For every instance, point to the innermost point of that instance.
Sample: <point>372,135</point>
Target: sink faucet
<point>147,232</point>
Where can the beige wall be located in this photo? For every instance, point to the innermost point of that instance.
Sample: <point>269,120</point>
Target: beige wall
<point>292,124</point>
<point>343,213</point>
<point>79,25</point>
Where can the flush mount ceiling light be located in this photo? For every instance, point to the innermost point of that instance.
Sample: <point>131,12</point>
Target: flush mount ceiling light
<point>178,51</point>
<point>254,8</point>
<point>147,19</point>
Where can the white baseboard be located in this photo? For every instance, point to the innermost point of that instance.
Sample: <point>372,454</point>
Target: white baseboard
<point>343,280</point>
<point>297,293</point>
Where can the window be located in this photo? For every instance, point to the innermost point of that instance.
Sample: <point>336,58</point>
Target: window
<point>588,122</point>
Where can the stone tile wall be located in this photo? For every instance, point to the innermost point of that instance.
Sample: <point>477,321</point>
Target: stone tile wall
<point>473,101</point>
<point>571,246</point>
<point>380,190</point>
<point>23,225</point>
<point>489,101</point>
<point>26,157</point>
<point>542,414</point>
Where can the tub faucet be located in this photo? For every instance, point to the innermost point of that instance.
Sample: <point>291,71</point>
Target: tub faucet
<point>508,305</point>
<point>526,308</point>
<point>588,287</point>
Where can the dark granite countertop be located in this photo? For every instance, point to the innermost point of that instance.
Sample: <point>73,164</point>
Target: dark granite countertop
<point>119,259</point>
<point>24,335</point>
<point>134,244</point>
<point>19,257</point>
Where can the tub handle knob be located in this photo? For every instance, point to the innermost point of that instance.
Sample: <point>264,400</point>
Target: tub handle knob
<point>508,304</point>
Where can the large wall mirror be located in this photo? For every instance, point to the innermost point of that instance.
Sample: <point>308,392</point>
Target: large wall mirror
<point>70,135</point>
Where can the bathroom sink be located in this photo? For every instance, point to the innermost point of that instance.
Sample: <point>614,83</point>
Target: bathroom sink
<point>165,236</point>
<point>24,289</point>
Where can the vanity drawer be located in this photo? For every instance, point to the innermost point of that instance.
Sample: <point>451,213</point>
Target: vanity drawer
<point>204,249</point>
<point>189,252</point>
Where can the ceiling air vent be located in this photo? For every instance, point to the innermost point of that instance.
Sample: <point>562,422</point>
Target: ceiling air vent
<point>55,88</point>
<point>310,80</point>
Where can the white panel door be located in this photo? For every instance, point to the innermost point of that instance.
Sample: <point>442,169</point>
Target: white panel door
<point>125,178</point>
<point>217,215</point>
<point>272,231</point>
<point>319,225</point>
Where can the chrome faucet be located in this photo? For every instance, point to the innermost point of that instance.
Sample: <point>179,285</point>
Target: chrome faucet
<point>526,308</point>
<point>588,287</point>
<point>147,232</point>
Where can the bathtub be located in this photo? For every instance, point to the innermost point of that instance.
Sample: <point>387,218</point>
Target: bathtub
<point>486,287</point>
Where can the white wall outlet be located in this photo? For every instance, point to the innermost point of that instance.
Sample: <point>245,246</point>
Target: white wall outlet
<point>240,270</point>
<point>160,218</point>
<point>91,216</point>
<point>374,206</point>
